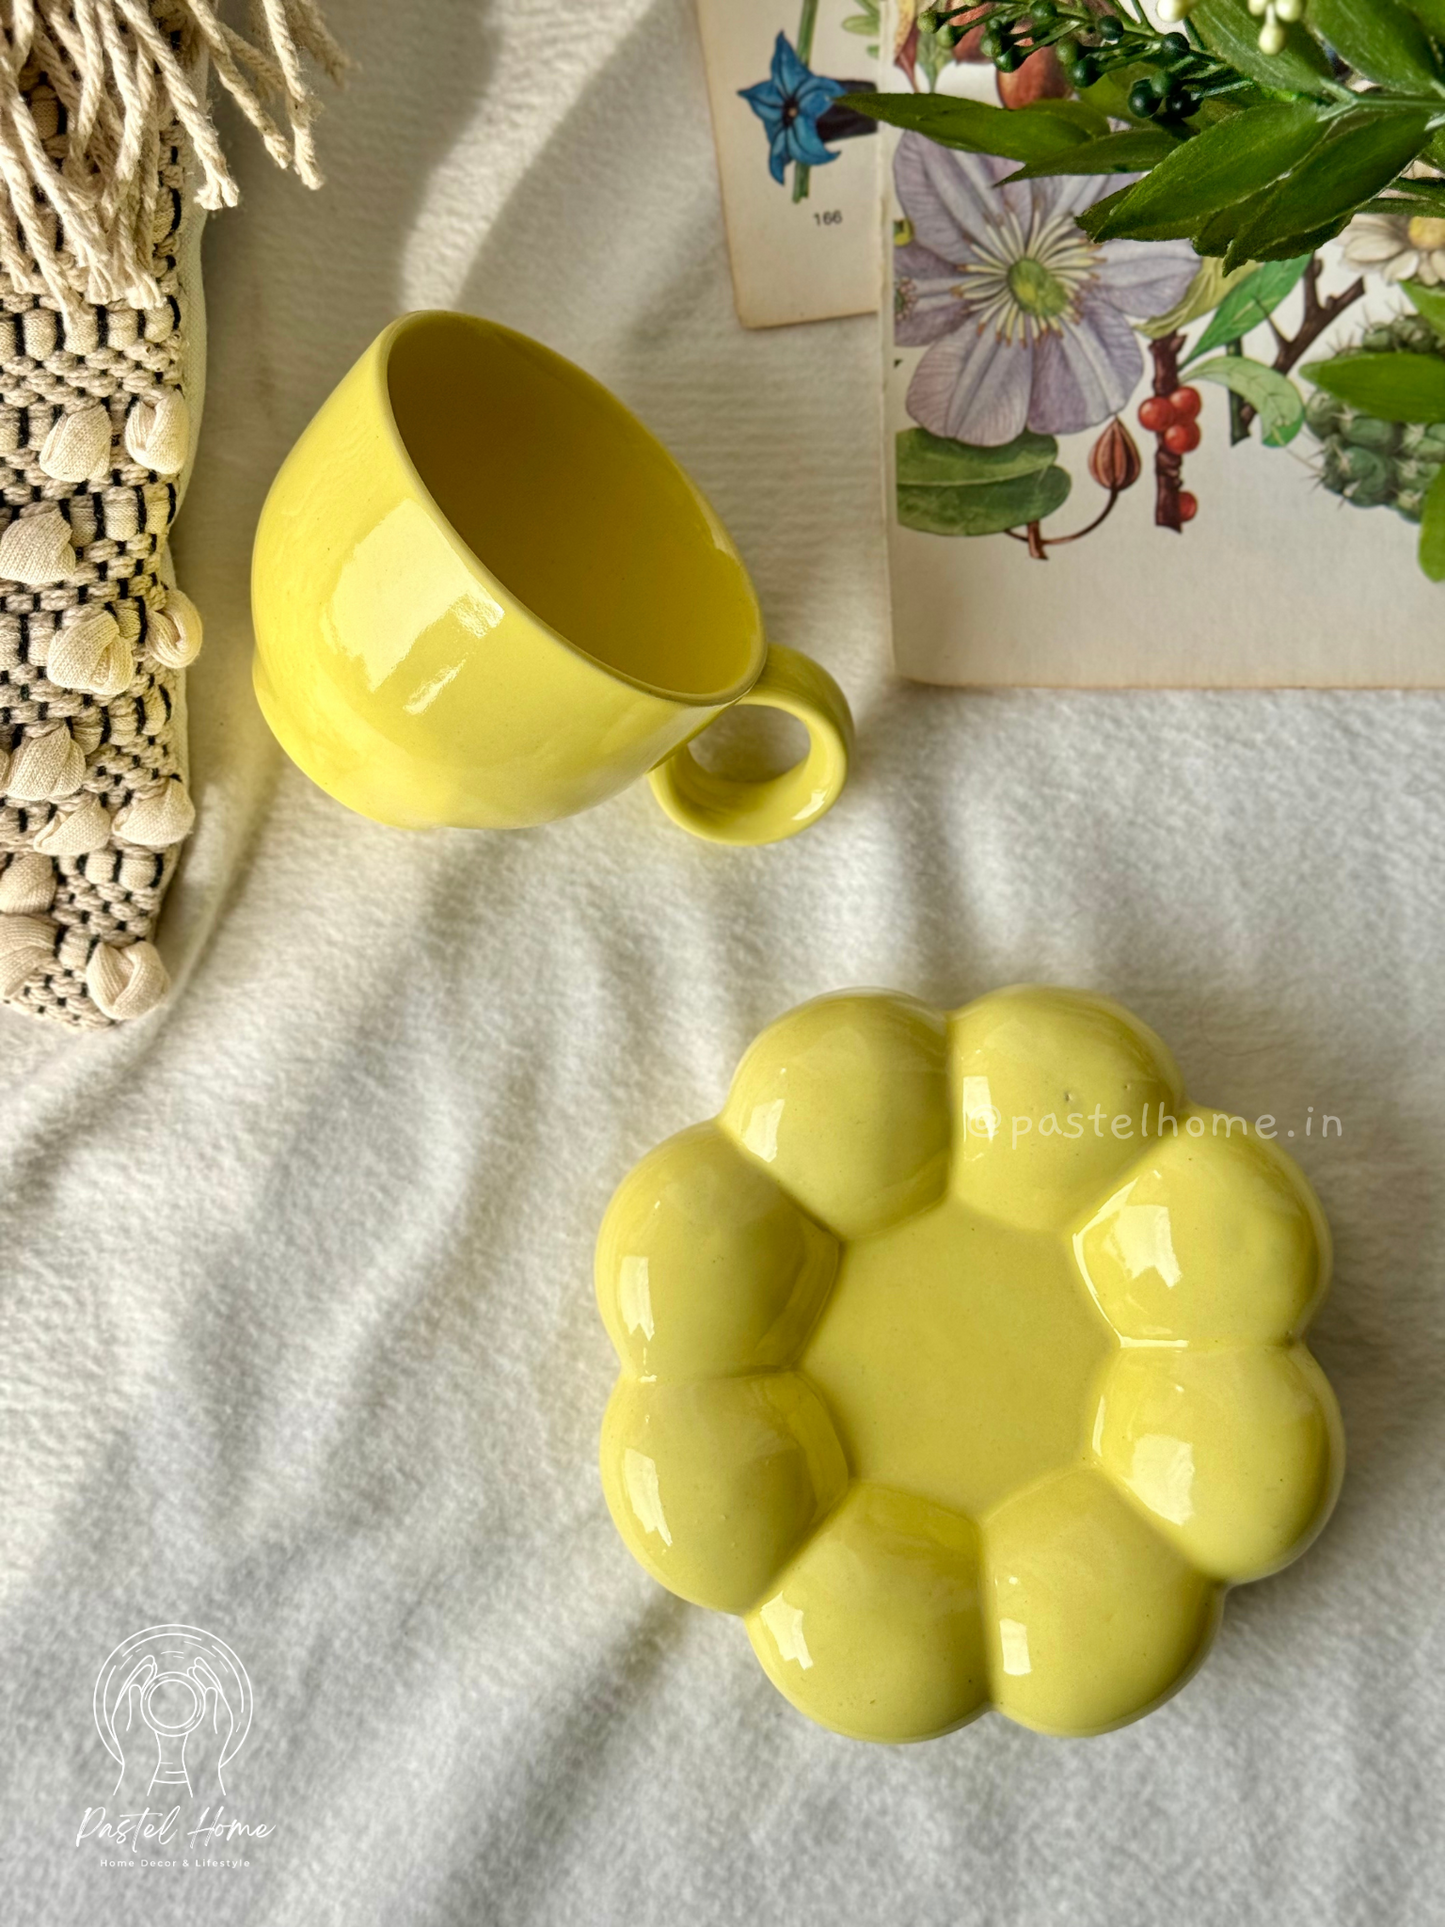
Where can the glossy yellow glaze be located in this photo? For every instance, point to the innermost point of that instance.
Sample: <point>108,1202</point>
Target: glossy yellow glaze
<point>484,596</point>
<point>957,1356</point>
<point>960,1402</point>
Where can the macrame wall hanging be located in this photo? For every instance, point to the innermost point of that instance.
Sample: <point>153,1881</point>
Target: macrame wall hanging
<point>107,154</point>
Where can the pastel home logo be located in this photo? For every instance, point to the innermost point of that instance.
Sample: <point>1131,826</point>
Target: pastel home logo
<point>167,1700</point>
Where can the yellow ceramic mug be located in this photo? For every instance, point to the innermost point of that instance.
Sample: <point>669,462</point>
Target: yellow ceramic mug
<point>485,596</point>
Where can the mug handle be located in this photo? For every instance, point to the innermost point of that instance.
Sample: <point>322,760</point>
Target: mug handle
<point>725,809</point>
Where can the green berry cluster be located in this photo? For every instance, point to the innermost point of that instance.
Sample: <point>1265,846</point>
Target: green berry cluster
<point>1089,46</point>
<point>1373,463</point>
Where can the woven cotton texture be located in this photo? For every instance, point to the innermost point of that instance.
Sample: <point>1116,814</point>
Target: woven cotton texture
<point>95,805</point>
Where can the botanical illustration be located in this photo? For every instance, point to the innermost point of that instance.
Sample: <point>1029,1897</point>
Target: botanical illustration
<point>1146,237</point>
<point>799,109</point>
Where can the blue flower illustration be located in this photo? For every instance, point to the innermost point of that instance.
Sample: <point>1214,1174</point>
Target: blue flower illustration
<point>790,103</point>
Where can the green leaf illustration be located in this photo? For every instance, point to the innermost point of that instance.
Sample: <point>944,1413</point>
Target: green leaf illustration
<point>866,22</point>
<point>1229,29</point>
<point>1016,134</point>
<point>1208,288</point>
<point>1273,396</point>
<point>1135,149</point>
<point>1397,388</point>
<point>1432,530</point>
<point>1429,302</point>
<point>1378,39</point>
<point>934,461</point>
<point>1361,152</point>
<point>1217,169</point>
<point>986,508</point>
<point>1249,303</point>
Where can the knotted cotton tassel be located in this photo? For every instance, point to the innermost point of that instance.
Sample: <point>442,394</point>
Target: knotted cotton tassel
<point>26,945</point>
<point>27,885</point>
<point>162,817</point>
<point>46,766</point>
<point>89,652</point>
<point>75,830</point>
<point>126,981</point>
<point>78,445</point>
<point>122,76</point>
<point>174,632</point>
<point>158,431</point>
<point>35,549</point>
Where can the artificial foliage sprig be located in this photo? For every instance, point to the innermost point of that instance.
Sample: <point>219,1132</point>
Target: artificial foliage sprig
<point>1179,78</point>
<point>1257,128</point>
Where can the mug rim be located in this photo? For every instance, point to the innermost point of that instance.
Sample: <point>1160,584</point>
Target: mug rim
<point>419,317</point>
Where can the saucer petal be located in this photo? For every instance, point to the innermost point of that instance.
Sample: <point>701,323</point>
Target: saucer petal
<point>714,1484</point>
<point>1214,1235</point>
<point>1057,1092</point>
<point>845,1101</point>
<point>1236,1453</point>
<point>705,1267</point>
<point>1092,1618</point>
<point>875,1628</point>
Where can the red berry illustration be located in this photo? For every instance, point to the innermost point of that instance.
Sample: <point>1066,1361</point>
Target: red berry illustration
<point>1182,437</point>
<point>1188,505</point>
<point>1186,403</point>
<point>1156,414</point>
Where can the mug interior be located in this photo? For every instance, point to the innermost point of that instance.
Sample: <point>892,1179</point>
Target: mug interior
<point>569,503</point>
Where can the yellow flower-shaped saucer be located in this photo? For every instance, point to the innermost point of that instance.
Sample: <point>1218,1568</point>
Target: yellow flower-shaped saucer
<point>962,1358</point>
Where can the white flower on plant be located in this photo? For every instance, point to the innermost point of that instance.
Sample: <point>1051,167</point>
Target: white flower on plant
<point>1024,317</point>
<point>1276,14</point>
<point>1397,247</point>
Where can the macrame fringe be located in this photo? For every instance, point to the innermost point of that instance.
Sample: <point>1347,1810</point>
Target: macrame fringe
<point>87,88</point>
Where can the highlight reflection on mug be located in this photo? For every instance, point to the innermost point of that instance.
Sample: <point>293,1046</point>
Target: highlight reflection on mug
<point>166,1689</point>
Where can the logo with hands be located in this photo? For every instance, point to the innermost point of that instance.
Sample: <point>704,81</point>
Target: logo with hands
<point>172,1707</point>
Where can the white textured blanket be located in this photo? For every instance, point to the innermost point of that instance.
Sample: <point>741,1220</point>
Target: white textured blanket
<point>297,1340</point>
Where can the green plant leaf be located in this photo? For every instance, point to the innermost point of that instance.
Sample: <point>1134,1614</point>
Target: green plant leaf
<point>1397,388</point>
<point>1362,151</point>
<point>1379,39</point>
<point>1221,106</point>
<point>1251,301</point>
<point>1016,134</point>
<point>1077,112</point>
<point>1229,29</point>
<point>1273,396</point>
<point>987,508</point>
<point>1432,530</point>
<point>1285,247</point>
<point>1136,149</point>
<point>1219,167</point>
<point>1429,302</point>
<point>1408,197</point>
<point>934,461</point>
<point>1216,231</point>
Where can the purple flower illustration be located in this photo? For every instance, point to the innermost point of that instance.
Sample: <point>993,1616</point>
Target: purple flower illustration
<point>1025,318</point>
